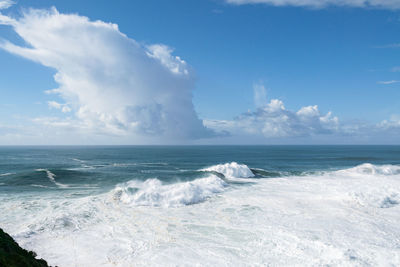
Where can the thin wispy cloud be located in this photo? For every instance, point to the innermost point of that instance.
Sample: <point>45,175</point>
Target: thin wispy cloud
<point>394,45</point>
<point>382,4</point>
<point>217,11</point>
<point>6,4</point>
<point>260,95</point>
<point>388,82</point>
<point>396,69</point>
<point>63,107</point>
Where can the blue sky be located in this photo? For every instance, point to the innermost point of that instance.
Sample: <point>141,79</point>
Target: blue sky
<point>342,58</point>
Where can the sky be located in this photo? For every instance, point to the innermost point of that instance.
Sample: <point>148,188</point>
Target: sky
<point>199,72</point>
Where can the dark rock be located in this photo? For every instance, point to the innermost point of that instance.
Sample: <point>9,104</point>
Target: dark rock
<point>12,255</point>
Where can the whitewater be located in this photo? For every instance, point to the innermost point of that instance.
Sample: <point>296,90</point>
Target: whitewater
<point>226,214</point>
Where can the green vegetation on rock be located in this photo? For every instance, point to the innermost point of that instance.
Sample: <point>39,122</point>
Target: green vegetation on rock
<point>12,255</point>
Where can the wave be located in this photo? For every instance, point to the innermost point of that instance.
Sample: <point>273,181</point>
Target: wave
<point>265,173</point>
<point>150,164</point>
<point>39,185</point>
<point>359,170</point>
<point>371,169</point>
<point>7,174</point>
<point>235,170</point>
<point>52,177</point>
<point>365,175</point>
<point>153,192</point>
<point>367,185</point>
<point>257,218</point>
<point>78,160</point>
<point>231,170</point>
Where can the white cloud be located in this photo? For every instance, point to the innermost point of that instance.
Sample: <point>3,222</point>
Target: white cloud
<point>391,124</point>
<point>63,107</point>
<point>388,46</point>
<point>395,69</point>
<point>274,124</point>
<point>273,120</point>
<point>384,4</point>
<point>6,4</point>
<point>110,81</point>
<point>260,95</point>
<point>388,82</point>
<point>164,54</point>
<point>118,88</point>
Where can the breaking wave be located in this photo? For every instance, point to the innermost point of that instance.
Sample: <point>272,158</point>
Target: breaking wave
<point>153,192</point>
<point>231,170</point>
<point>139,217</point>
<point>371,169</point>
<point>370,185</point>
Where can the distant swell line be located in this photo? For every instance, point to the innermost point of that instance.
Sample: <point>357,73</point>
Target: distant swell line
<point>51,177</point>
<point>7,174</point>
<point>40,186</point>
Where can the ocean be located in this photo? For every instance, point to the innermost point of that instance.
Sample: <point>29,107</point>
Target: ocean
<point>204,205</point>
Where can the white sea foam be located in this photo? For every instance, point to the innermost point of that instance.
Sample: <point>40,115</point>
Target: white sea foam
<point>79,160</point>
<point>153,193</point>
<point>370,169</point>
<point>40,186</point>
<point>7,174</point>
<point>376,188</point>
<point>231,170</point>
<point>52,177</point>
<point>339,218</point>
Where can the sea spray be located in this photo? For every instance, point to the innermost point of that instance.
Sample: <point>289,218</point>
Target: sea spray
<point>231,170</point>
<point>153,193</point>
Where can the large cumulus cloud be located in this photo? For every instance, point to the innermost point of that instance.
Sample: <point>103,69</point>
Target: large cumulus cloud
<point>111,82</point>
<point>115,90</point>
<point>273,120</point>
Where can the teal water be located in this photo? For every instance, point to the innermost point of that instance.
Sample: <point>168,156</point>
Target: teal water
<point>104,167</point>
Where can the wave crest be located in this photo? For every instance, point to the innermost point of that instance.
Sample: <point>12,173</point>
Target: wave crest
<point>52,177</point>
<point>231,170</point>
<point>153,193</point>
<point>6,174</point>
<point>371,169</point>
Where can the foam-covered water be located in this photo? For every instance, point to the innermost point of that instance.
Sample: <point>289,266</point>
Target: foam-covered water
<point>184,206</point>
<point>153,193</point>
<point>6,174</point>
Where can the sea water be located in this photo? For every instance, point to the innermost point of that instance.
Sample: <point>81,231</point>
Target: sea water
<point>204,205</point>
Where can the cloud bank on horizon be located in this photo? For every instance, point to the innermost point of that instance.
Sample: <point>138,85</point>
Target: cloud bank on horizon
<point>384,4</point>
<point>112,85</point>
<point>273,120</point>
